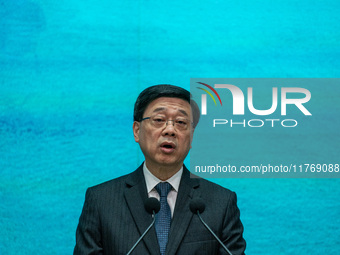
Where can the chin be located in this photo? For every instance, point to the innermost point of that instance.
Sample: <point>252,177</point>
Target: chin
<point>168,162</point>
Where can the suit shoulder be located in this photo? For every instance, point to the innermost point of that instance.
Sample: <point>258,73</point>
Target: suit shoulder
<point>113,185</point>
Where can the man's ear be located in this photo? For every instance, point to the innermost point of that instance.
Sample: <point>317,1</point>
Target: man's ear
<point>191,136</point>
<point>135,127</point>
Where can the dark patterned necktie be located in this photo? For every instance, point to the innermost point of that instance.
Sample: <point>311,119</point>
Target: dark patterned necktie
<point>163,217</point>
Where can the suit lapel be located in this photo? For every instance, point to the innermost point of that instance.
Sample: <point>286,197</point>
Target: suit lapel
<point>135,196</point>
<point>182,214</point>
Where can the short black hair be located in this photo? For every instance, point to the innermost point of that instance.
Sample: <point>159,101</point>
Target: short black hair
<point>163,90</point>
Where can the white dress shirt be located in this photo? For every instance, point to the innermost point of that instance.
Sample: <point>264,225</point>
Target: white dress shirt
<point>151,181</point>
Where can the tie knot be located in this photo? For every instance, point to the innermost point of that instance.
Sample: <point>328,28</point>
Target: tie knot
<point>163,188</point>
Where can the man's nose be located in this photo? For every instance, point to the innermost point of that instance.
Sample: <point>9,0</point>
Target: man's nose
<point>172,123</point>
<point>169,128</point>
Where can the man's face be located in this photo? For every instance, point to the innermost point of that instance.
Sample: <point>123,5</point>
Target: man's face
<point>164,146</point>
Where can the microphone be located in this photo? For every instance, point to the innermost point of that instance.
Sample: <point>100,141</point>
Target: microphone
<point>197,206</point>
<point>152,206</point>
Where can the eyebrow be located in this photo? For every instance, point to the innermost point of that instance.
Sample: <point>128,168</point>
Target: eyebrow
<point>159,109</point>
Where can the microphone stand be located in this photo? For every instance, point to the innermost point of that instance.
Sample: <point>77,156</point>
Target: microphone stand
<point>146,231</point>
<point>207,227</point>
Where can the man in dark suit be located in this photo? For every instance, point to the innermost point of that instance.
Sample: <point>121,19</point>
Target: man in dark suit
<point>113,216</point>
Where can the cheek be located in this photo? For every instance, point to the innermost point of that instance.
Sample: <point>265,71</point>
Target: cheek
<point>143,139</point>
<point>148,139</point>
<point>187,142</point>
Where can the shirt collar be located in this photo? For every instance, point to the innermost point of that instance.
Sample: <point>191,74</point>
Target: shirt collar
<point>151,180</point>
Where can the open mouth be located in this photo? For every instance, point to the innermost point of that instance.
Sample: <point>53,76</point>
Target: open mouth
<point>168,147</point>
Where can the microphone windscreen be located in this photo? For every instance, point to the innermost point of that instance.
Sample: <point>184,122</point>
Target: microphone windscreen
<point>197,204</point>
<point>152,204</point>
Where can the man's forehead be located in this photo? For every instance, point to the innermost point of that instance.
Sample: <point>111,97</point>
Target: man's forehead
<point>165,110</point>
<point>165,104</point>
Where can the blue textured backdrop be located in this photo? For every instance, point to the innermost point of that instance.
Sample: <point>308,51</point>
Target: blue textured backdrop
<point>71,70</point>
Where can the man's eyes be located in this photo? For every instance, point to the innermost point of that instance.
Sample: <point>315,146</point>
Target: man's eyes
<point>181,122</point>
<point>159,119</point>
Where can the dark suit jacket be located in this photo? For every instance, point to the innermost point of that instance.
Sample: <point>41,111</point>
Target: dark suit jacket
<point>113,218</point>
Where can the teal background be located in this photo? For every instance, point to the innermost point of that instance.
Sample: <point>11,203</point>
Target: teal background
<point>70,72</point>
